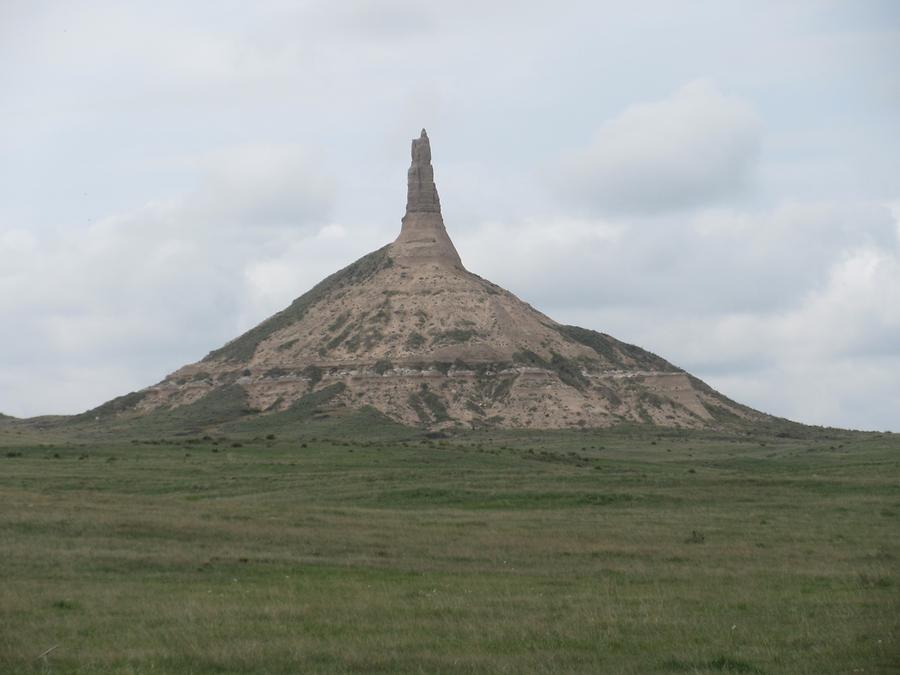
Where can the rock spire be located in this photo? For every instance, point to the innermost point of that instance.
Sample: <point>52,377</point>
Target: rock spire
<point>421,194</point>
<point>423,237</point>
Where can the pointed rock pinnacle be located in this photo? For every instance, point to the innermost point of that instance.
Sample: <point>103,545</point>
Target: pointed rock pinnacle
<point>423,237</point>
<point>421,195</point>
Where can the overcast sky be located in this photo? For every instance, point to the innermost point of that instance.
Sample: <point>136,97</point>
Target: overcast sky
<point>718,182</point>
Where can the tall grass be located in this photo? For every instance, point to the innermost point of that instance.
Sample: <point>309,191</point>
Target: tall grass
<point>623,552</point>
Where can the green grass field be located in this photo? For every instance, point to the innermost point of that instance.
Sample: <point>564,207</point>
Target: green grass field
<point>625,551</point>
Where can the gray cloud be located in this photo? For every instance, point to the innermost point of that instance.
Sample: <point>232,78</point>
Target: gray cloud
<point>263,185</point>
<point>708,261</point>
<point>381,19</point>
<point>696,147</point>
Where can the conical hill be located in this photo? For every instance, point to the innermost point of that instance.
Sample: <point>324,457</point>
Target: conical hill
<point>410,332</point>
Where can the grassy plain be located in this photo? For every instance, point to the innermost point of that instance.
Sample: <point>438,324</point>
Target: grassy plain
<point>354,547</point>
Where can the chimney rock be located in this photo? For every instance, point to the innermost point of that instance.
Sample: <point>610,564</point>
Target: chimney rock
<point>423,237</point>
<point>421,195</point>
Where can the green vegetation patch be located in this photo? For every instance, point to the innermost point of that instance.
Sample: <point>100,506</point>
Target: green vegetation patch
<point>567,370</point>
<point>285,346</point>
<point>310,403</point>
<point>336,341</point>
<point>428,406</point>
<point>500,387</point>
<point>435,405</point>
<point>720,664</point>
<point>219,405</point>
<point>415,402</point>
<point>383,314</point>
<point>339,322</point>
<point>476,500</point>
<point>118,405</point>
<point>652,398</point>
<point>313,373</point>
<point>383,366</point>
<point>443,367</point>
<point>475,407</point>
<point>609,394</point>
<point>613,350</point>
<point>722,414</point>
<point>453,336</point>
<point>415,340</point>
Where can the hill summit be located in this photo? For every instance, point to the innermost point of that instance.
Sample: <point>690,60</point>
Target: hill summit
<point>408,331</point>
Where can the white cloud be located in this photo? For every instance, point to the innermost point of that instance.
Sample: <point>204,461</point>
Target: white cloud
<point>857,314</point>
<point>696,147</point>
